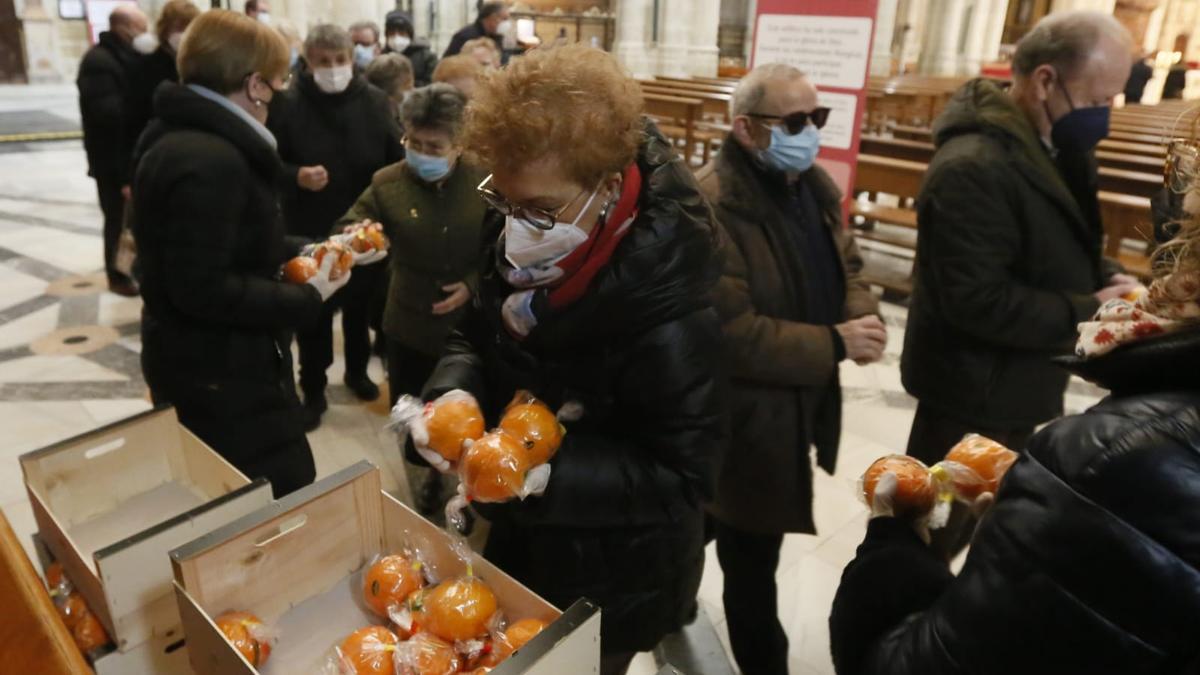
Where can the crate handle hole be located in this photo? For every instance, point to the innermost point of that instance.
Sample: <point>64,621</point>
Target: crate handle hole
<point>104,449</point>
<point>174,647</point>
<point>285,528</point>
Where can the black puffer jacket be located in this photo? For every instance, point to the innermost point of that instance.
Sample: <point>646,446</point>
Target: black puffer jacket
<point>1088,563</point>
<point>105,83</point>
<point>621,519</point>
<point>152,70</point>
<point>210,242</point>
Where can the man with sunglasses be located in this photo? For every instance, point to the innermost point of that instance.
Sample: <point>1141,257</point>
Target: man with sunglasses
<point>794,306</point>
<point>1009,245</point>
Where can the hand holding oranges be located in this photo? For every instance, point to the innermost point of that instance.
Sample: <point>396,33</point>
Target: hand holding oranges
<point>914,492</point>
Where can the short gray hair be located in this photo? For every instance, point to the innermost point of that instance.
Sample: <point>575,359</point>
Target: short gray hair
<point>389,71</point>
<point>751,91</point>
<point>439,106</point>
<point>328,36</point>
<point>366,25</point>
<point>1066,40</point>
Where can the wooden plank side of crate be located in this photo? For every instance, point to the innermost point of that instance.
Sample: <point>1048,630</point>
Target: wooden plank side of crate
<point>208,651</point>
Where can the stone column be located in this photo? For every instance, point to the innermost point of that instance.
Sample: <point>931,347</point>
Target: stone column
<point>1135,16</point>
<point>1105,6</point>
<point>885,29</point>
<point>42,58</point>
<point>751,22</point>
<point>995,30</point>
<point>674,36</point>
<point>633,34</point>
<point>914,30</point>
<point>940,53</point>
<point>703,52</point>
<point>452,15</point>
<point>973,47</point>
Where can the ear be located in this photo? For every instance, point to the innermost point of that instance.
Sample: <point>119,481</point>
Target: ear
<point>1044,78</point>
<point>743,130</point>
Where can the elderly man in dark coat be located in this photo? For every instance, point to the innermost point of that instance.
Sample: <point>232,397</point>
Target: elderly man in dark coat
<point>794,306</point>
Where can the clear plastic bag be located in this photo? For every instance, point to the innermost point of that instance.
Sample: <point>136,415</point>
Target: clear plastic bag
<point>975,465</point>
<point>912,492</point>
<point>426,654</point>
<point>366,651</point>
<point>388,581</point>
<point>457,610</point>
<point>248,634</point>
<point>498,468</point>
<point>441,430</point>
<point>532,423</point>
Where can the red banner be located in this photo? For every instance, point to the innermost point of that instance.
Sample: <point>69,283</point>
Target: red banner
<point>830,40</point>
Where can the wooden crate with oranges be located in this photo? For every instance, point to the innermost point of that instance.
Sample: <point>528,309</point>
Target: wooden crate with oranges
<point>309,578</point>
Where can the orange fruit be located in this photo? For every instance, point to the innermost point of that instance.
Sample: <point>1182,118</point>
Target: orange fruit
<point>390,581</point>
<point>494,468</point>
<point>533,423</point>
<point>241,629</point>
<point>450,422</point>
<point>89,633</point>
<point>72,609</point>
<point>987,458</point>
<point>369,238</point>
<point>458,609</point>
<point>521,632</point>
<point>55,576</point>
<point>300,269</point>
<point>343,262</point>
<point>915,490</point>
<point>369,651</point>
<point>427,654</point>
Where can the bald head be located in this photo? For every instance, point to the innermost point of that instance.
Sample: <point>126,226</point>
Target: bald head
<point>128,21</point>
<point>764,96</point>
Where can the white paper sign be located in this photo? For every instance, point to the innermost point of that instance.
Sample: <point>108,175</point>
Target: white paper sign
<point>832,50</point>
<point>839,128</point>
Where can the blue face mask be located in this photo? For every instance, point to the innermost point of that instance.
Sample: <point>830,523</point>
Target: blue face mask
<point>293,58</point>
<point>364,55</point>
<point>1081,129</point>
<point>427,167</point>
<point>792,153</point>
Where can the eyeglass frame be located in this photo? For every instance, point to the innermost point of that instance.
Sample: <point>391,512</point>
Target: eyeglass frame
<point>805,118</point>
<point>498,201</point>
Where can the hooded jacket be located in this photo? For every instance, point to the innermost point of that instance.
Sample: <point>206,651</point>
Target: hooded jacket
<point>620,520</point>
<point>1089,562</point>
<point>1007,262</point>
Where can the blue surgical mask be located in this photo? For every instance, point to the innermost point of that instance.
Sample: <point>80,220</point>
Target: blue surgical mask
<point>1081,129</point>
<point>295,56</point>
<point>427,167</point>
<point>364,55</point>
<point>789,152</point>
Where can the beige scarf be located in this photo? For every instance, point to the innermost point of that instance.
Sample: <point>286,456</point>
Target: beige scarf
<point>1153,312</point>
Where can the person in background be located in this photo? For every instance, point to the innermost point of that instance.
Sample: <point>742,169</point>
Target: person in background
<point>335,131</point>
<point>159,66</point>
<point>107,75</point>
<point>393,75</point>
<point>259,10</point>
<point>399,39</point>
<point>597,293</point>
<point>287,29</point>
<point>216,318</point>
<point>365,36</point>
<point>794,306</point>
<point>434,218</point>
<point>1087,562</point>
<point>462,72</point>
<point>484,51</point>
<point>492,23</point>
<point>1009,248</point>
<point>1140,74</point>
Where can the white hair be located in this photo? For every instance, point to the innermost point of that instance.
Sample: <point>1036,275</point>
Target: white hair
<point>1066,40</point>
<point>751,91</point>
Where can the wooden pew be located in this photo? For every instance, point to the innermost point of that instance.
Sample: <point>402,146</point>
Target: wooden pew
<point>724,83</point>
<point>1155,150</point>
<point>677,117</point>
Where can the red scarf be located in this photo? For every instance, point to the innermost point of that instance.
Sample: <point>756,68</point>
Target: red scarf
<point>584,263</point>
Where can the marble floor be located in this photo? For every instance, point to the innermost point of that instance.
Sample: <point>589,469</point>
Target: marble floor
<point>69,362</point>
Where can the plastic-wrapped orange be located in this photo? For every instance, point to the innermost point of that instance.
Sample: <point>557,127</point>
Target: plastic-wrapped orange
<point>72,609</point>
<point>915,489</point>
<point>369,238</point>
<point>457,609</point>
<point>369,651</point>
<point>451,421</point>
<point>494,468</point>
<point>533,423</point>
<point>987,458</point>
<point>55,576</point>
<point>521,632</point>
<point>343,262</point>
<point>244,631</point>
<point>89,633</point>
<point>300,269</point>
<point>390,581</point>
<point>426,654</point>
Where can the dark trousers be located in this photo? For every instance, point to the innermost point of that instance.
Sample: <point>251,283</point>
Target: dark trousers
<point>316,342</point>
<point>112,205</point>
<point>933,434</point>
<point>408,370</point>
<point>749,561</point>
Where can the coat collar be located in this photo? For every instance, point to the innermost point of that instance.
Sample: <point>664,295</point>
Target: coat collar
<point>759,193</point>
<point>1162,363</point>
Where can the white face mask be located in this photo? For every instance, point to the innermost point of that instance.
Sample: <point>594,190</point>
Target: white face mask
<point>333,80</point>
<point>175,39</point>
<point>528,246</point>
<point>504,27</point>
<point>264,17</point>
<point>399,43</point>
<point>145,43</point>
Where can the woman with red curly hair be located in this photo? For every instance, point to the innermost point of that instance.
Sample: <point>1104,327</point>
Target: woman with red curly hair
<point>596,294</point>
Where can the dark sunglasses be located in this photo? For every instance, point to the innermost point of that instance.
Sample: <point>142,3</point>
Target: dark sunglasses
<point>795,122</point>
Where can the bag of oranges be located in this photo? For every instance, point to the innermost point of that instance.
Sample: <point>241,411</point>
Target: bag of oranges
<point>441,430</point>
<point>389,581</point>
<point>974,466</point>
<point>426,654</point>
<point>366,651</point>
<point>913,492</point>
<point>249,635</point>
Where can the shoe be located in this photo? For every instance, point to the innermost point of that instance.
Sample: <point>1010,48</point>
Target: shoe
<point>314,407</point>
<point>123,286</point>
<point>363,387</point>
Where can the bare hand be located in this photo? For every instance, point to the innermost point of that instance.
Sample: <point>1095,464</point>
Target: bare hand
<point>1123,279</point>
<point>1117,289</point>
<point>865,339</point>
<point>460,294</point>
<point>312,178</point>
<point>126,192</point>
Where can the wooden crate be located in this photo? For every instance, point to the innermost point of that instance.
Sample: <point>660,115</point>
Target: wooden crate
<point>296,565</point>
<point>111,503</point>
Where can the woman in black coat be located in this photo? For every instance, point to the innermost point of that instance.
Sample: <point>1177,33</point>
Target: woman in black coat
<point>1088,562</point>
<point>217,320</point>
<point>605,304</point>
<point>158,66</point>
